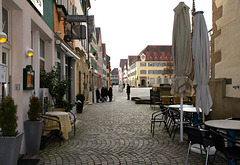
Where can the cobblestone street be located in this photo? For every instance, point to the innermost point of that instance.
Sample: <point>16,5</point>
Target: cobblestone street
<point>118,132</point>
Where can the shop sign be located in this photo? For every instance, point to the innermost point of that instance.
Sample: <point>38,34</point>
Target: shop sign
<point>38,4</point>
<point>76,18</point>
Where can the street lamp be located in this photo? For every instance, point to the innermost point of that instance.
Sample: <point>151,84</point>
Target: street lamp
<point>3,37</point>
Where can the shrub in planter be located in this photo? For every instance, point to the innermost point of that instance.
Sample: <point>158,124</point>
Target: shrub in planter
<point>80,98</point>
<point>35,109</point>
<point>11,140</point>
<point>8,117</point>
<point>33,127</point>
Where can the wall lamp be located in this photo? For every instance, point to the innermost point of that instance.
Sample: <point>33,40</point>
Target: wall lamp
<point>3,37</point>
<point>29,52</point>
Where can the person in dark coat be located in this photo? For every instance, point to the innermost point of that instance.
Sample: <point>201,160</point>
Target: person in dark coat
<point>105,93</point>
<point>110,94</point>
<point>102,94</point>
<point>128,92</point>
<point>97,95</point>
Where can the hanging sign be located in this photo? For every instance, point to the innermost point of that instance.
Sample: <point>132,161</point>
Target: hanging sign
<point>28,78</point>
<point>38,4</point>
<point>76,18</point>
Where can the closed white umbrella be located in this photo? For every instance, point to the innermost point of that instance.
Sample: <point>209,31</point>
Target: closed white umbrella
<point>201,56</point>
<point>182,57</point>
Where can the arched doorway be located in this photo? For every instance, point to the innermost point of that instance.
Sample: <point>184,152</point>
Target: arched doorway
<point>143,83</point>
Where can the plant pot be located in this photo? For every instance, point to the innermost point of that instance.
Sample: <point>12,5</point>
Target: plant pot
<point>33,133</point>
<point>79,108</point>
<point>10,149</point>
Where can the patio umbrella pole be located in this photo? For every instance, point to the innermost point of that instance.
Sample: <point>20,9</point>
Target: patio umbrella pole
<point>181,118</point>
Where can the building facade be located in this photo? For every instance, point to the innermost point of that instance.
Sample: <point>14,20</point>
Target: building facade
<point>114,77</point>
<point>149,67</point>
<point>225,58</point>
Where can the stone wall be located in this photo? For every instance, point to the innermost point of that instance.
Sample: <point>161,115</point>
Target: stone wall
<point>223,107</point>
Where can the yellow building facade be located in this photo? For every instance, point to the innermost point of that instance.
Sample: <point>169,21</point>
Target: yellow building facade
<point>149,68</point>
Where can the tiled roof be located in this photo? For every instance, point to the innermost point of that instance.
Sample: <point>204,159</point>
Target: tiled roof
<point>98,33</point>
<point>131,60</point>
<point>123,62</point>
<point>114,71</point>
<point>157,53</point>
<point>103,49</point>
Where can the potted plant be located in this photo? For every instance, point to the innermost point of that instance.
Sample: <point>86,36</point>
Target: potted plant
<point>80,101</point>
<point>33,127</point>
<point>10,139</point>
<point>58,88</point>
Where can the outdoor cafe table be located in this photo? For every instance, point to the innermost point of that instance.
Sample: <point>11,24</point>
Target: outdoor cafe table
<point>230,125</point>
<point>64,120</point>
<point>189,109</point>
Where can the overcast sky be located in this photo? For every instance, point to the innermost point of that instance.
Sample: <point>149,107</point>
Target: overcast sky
<point>128,26</point>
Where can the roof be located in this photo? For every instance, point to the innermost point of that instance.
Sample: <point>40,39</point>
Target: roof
<point>114,71</point>
<point>157,53</point>
<point>124,62</point>
<point>103,50</point>
<point>131,60</point>
<point>98,33</point>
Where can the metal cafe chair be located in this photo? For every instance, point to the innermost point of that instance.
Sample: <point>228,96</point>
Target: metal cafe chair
<point>201,137</point>
<point>175,121</point>
<point>160,116</point>
<point>231,153</point>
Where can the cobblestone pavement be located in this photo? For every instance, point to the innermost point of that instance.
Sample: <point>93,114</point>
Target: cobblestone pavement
<point>118,132</point>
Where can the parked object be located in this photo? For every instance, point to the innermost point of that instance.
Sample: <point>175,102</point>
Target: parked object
<point>10,140</point>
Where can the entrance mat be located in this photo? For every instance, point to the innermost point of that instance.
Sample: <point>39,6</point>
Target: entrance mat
<point>28,161</point>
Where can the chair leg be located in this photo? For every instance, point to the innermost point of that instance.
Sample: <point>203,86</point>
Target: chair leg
<point>189,147</point>
<point>208,148</point>
<point>153,129</point>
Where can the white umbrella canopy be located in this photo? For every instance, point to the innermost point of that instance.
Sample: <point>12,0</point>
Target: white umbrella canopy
<point>201,56</point>
<point>182,57</point>
<point>181,50</point>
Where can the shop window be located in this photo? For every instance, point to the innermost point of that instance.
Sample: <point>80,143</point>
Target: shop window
<point>159,80</point>
<point>152,80</point>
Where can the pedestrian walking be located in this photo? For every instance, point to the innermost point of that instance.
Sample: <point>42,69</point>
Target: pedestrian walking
<point>97,95</point>
<point>102,94</point>
<point>110,94</point>
<point>128,92</point>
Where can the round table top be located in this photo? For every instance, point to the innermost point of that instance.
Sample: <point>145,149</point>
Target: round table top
<point>57,113</point>
<point>224,124</point>
<point>178,106</point>
<point>186,108</point>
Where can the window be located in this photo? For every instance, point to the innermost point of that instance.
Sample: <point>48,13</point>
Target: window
<point>42,60</point>
<point>159,80</point>
<point>4,58</point>
<point>5,20</point>
<point>152,80</point>
<point>42,48</point>
<point>143,64</point>
<point>150,64</point>
<point>158,64</point>
<point>165,80</point>
<point>143,71</point>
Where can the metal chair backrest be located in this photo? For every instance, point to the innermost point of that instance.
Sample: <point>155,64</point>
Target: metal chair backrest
<point>218,140</point>
<point>194,135</point>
